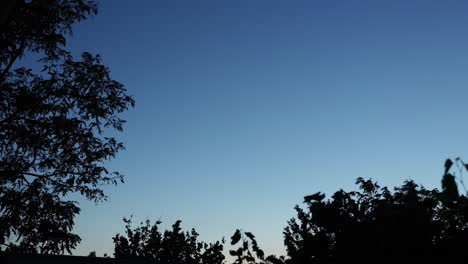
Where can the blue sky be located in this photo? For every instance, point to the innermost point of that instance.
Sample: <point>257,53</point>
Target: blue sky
<point>243,107</point>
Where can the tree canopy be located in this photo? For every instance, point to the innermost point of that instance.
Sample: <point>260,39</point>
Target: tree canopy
<point>146,242</point>
<point>409,224</point>
<point>54,125</point>
<point>55,140</point>
<point>375,225</point>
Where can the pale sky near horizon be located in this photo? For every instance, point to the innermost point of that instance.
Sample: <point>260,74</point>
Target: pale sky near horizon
<point>243,107</point>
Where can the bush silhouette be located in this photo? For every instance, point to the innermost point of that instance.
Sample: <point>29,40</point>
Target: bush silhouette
<point>147,244</point>
<point>174,246</point>
<point>375,225</point>
<point>410,224</point>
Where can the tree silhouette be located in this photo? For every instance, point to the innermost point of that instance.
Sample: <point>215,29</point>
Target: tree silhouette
<point>147,244</point>
<point>174,246</point>
<point>53,126</point>
<point>375,225</point>
<point>410,224</point>
<point>38,26</point>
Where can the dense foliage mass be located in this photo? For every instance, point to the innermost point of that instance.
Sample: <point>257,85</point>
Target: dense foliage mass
<point>375,225</point>
<point>173,246</point>
<point>371,225</point>
<point>53,125</point>
<point>147,244</point>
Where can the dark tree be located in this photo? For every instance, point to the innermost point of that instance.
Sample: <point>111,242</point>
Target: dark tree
<point>148,245</point>
<point>54,125</point>
<point>375,225</point>
<point>174,246</point>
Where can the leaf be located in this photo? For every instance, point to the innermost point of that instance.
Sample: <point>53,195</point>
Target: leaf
<point>448,165</point>
<point>314,197</point>
<point>449,187</point>
<point>236,237</point>
<point>250,235</point>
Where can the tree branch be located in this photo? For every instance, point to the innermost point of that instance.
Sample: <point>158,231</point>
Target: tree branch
<point>17,53</point>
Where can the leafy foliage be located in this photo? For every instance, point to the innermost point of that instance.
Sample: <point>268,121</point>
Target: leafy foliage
<point>373,225</point>
<point>244,254</point>
<point>410,224</point>
<point>249,252</point>
<point>54,126</point>
<point>147,244</point>
<point>173,246</point>
<point>41,221</point>
<point>38,26</point>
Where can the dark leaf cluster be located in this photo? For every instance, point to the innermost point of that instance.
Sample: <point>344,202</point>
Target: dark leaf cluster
<point>248,251</point>
<point>39,26</point>
<point>374,225</point>
<point>55,125</point>
<point>174,246</point>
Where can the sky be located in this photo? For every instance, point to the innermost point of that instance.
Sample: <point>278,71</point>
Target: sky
<point>244,107</point>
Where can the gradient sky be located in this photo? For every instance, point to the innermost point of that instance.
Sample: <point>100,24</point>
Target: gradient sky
<point>243,107</point>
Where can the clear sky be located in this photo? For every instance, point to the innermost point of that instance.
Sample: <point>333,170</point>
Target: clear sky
<point>243,107</point>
